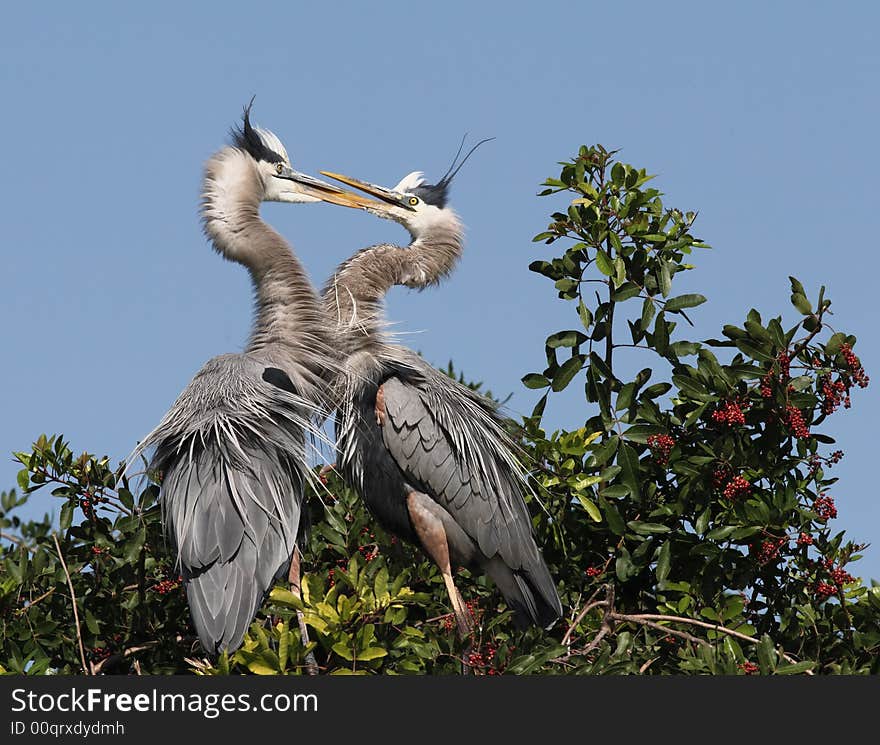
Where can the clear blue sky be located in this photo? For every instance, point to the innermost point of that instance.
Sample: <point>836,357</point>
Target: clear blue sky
<point>761,116</point>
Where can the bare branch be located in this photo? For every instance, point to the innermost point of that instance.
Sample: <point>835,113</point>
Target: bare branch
<point>82,652</point>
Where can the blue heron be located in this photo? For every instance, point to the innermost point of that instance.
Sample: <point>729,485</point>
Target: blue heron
<point>430,458</point>
<point>232,450</point>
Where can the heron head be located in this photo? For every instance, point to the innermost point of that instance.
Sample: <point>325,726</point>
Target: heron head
<point>413,202</point>
<point>281,183</point>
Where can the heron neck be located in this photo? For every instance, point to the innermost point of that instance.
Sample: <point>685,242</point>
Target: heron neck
<point>354,295</point>
<point>289,323</point>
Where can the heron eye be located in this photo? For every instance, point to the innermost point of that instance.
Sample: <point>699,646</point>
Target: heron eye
<point>413,201</point>
<point>279,168</point>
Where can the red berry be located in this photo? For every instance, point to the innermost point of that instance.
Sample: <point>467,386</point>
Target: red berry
<point>729,413</point>
<point>805,539</point>
<point>737,487</point>
<point>661,446</point>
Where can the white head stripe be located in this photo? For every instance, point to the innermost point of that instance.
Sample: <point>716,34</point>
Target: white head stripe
<point>410,182</point>
<point>271,141</point>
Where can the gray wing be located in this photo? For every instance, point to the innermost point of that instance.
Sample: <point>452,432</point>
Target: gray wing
<point>232,455</point>
<point>449,444</point>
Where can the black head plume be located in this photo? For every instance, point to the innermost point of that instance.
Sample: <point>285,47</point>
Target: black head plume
<point>248,139</point>
<point>437,194</point>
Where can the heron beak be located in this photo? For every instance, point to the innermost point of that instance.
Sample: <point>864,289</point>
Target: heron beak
<point>386,195</point>
<point>313,187</point>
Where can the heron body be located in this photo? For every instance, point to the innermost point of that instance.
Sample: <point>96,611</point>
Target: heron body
<point>430,457</point>
<point>232,450</point>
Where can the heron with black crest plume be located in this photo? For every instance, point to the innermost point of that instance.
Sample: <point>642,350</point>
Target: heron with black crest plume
<point>232,450</point>
<point>430,457</point>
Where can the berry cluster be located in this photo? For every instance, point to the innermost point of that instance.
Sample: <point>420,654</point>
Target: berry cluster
<point>661,446</point>
<point>841,577</point>
<point>483,658</point>
<point>824,591</point>
<point>163,587</point>
<point>835,457</point>
<point>768,549</point>
<point>805,539</point>
<point>97,654</point>
<point>729,413</point>
<point>833,393</point>
<point>794,419</point>
<point>594,571</point>
<point>88,501</point>
<point>857,372</point>
<point>97,551</point>
<point>369,550</point>
<point>738,486</point>
<point>721,474</point>
<point>784,364</point>
<point>474,611</point>
<point>824,507</point>
<point>749,668</point>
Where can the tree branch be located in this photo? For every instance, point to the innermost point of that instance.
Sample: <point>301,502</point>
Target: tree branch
<point>82,653</point>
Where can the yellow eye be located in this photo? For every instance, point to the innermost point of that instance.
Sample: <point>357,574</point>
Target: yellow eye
<point>413,201</point>
<point>279,168</point>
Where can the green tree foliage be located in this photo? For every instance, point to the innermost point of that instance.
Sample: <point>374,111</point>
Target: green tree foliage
<point>689,522</point>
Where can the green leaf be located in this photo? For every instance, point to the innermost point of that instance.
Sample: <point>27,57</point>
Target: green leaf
<point>835,342</point>
<point>801,303</point>
<point>796,287</point>
<point>603,452</point>
<point>629,463</point>
<point>565,339</point>
<point>692,388</point>
<point>664,279</point>
<point>604,263</point>
<point>566,285</point>
<point>625,397</point>
<point>625,292</point>
<point>663,561</point>
<point>585,315</point>
<point>283,646</point>
<point>766,655</point>
<point>590,507</point>
<point>66,515</point>
<point>567,371</point>
<point>648,310</point>
<point>755,352</point>
<point>535,381</point>
<point>343,650</point>
<point>720,533</point>
<point>796,669</point>
<point>612,517</point>
<point>623,566</point>
<point>371,653</point>
<point>283,596</point>
<point>637,526</point>
<point>641,432</point>
<point>684,301</point>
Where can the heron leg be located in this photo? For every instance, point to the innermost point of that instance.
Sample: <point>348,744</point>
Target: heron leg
<point>380,406</point>
<point>295,581</point>
<point>432,536</point>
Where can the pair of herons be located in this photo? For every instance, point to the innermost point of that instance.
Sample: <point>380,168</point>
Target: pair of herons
<point>430,458</point>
